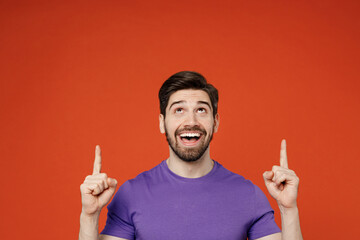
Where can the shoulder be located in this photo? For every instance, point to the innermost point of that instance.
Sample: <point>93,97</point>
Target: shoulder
<point>149,176</point>
<point>235,180</point>
<point>143,180</point>
<point>247,191</point>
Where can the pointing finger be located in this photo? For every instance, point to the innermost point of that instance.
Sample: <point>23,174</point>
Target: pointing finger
<point>283,155</point>
<point>97,162</point>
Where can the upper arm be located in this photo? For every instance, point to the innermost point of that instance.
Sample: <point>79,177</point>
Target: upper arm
<point>108,237</point>
<point>275,236</point>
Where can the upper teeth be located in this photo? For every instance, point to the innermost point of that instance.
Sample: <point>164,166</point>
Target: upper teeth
<point>190,135</point>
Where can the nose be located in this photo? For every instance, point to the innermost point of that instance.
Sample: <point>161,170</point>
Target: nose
<point>191,119</point>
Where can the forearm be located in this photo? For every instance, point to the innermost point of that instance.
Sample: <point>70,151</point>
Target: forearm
<point>89,227</point>
<point>290,224</point>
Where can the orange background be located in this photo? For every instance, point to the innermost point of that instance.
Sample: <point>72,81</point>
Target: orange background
<point>79,73</point>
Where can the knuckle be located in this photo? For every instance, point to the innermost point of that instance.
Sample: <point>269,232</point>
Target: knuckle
<point>275,168</point>
<point>88,177</point>
<point>97,188</point>
<point>105,184</point>
<point>99,182</point>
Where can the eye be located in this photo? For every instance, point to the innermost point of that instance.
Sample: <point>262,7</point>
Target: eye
<point>179,110</point>
<point>201,110</point>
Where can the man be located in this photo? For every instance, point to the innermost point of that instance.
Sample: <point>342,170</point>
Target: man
<point>189,196</point>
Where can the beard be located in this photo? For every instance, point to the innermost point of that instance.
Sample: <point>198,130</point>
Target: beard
<point>189,154</point>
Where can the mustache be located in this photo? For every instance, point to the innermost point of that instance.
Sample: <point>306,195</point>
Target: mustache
<point>189,129</point>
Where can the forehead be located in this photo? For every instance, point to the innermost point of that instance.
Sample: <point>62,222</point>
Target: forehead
<point>189,96</point>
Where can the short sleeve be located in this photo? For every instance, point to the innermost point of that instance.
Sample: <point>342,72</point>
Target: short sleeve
<point>119,222</point>
<point>263,223</point>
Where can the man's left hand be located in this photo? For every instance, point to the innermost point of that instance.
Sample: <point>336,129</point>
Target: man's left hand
<point>282,183</point>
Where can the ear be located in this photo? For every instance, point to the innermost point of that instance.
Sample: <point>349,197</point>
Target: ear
<point>162,123</point>
<point>216,122</point>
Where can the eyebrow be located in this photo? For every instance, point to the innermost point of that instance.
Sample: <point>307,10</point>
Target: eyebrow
<point>206,103</point>
<point>182,101</point>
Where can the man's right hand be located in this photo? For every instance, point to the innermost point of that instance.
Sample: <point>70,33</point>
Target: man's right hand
<point>97,189</point>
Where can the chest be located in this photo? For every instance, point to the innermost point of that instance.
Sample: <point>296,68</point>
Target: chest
<point>193,213</point>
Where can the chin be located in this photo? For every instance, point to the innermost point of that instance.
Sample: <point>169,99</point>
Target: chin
<point>192,156</point>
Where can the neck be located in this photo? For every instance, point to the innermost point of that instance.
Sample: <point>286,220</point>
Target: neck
<point>194,169</point>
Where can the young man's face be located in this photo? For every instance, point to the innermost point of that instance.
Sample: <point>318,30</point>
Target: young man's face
<point>189,123</point>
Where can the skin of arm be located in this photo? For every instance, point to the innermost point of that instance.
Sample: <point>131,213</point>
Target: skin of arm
<point>282,184</point>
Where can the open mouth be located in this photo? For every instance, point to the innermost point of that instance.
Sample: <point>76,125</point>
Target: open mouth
<point>188,138</point>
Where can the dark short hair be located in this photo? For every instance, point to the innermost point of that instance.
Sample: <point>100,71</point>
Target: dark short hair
<point>187,80</point>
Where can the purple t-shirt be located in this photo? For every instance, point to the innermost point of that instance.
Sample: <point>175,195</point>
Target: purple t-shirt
<point>160,205</point>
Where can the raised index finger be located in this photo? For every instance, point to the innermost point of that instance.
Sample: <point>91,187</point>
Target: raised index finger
<point>97,162</point>
<point>283,155</point>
